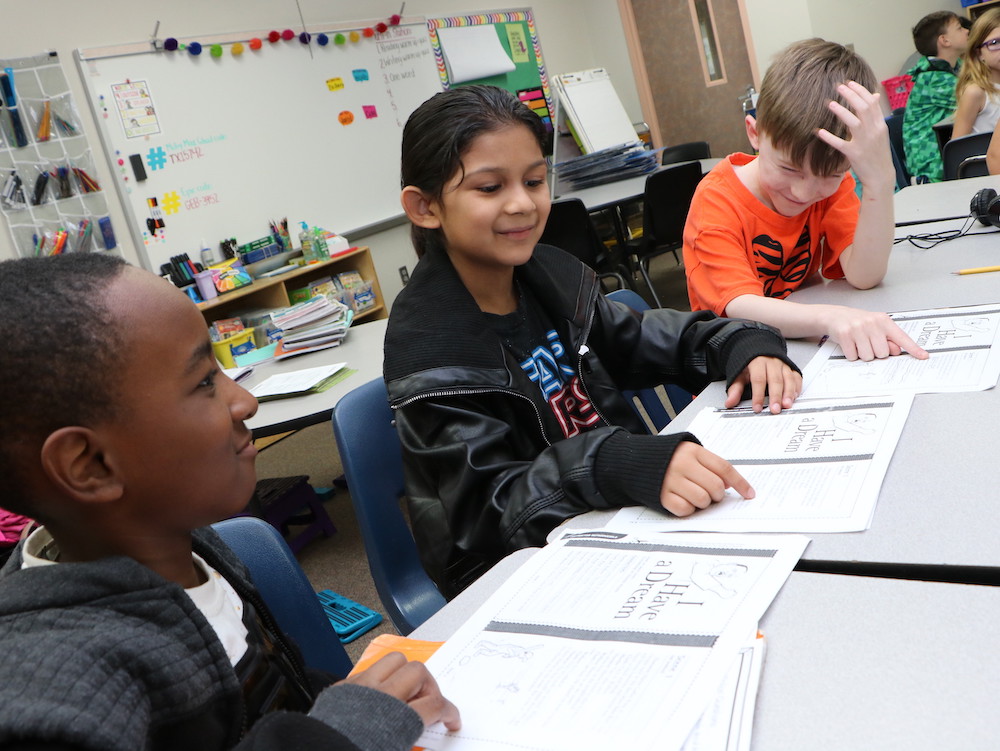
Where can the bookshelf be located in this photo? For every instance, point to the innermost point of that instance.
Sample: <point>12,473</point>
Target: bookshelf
<point>273,292</point>
<point>975,11</point>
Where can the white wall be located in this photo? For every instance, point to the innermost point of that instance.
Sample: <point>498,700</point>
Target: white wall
<point>575,34</point>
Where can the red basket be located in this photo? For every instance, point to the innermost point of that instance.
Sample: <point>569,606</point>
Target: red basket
<point>898,89</point>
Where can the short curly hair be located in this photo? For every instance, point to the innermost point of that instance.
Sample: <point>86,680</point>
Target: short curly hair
<point>795,95</point>
<point>61,352</point>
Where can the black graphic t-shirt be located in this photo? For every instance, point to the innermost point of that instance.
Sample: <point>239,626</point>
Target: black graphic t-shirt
<point>534,342</point>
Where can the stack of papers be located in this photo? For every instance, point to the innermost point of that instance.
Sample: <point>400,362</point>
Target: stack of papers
<point>607,165</point>
<point>613,641</point>
<point>298,382</point>
<point>317,324</point>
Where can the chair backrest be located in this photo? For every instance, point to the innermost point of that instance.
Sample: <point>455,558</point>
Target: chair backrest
<point>570,228</point>
<point>895,124</point>
<point>679,398</point>
<point>686,152</point>
<point>373,466</point>
<point>286,591</point>
<point>957,150</point>
<point>666,201</point>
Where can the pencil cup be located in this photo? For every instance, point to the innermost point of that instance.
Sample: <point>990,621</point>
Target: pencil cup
<point>206,285</point>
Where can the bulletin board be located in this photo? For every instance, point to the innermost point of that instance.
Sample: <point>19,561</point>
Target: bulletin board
<point>211,146</point>
<point>519,37</point>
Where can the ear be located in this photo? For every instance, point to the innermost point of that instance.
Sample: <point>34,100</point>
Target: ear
<point>419,208</point>
<point>752,134</point>
<point>73,460</point>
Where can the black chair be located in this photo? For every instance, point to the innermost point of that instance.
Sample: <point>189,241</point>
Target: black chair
<point>665,205</point>
<point>969,151</point>
<point>686,152</point>
<point>895,124</point>
<point>570,227</point>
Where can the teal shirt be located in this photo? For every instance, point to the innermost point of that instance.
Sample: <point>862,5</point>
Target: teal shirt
<point>931,100</point>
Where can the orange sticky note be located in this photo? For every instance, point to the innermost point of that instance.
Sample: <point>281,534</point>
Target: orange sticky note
<point>413,649</point>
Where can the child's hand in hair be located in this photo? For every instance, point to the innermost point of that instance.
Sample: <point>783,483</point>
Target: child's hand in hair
<point>696,478</point>
<point>410,682</point>
<point>771,381</point>
<point>868,147</point>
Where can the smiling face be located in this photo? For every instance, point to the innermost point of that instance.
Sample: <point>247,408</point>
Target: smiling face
<point>494,210</point>
<point>785,187</point>
<point>179,440</point>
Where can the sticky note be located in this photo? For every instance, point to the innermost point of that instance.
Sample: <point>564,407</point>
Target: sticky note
<point>335,84</point>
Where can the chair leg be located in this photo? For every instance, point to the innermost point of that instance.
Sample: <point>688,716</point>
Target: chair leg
<point>644,270</point>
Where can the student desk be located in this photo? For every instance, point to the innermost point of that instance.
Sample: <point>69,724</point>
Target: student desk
<point>851,662</point>
<point>937,515</point>
<point>361,350</point>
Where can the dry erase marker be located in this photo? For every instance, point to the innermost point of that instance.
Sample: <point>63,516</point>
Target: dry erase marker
<point>980,270</point>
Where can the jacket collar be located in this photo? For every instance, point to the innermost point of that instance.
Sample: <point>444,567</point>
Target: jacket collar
<point>435,322</point>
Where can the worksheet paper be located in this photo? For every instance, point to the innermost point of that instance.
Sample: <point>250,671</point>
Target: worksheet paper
<point>964,356</point>
<point>817,467</point>
<point>607,640</point>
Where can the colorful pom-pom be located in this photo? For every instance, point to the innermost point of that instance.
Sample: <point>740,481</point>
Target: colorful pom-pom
<point>170,44</point>
<point>215,50</point>
<point>273,36</point>
<point>237,49</point>
<point>369,32</point>
<point>381,28</point>
<point>255,43</point>
<point>288,35</point>
<point>354,36</point>
<point>339,39</point>
<point>394,19</point>
<point>304,37</point>
<point>194,48</point>
<point>322,40</point>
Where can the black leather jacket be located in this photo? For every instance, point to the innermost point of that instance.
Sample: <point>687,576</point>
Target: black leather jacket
<point>487,468</point>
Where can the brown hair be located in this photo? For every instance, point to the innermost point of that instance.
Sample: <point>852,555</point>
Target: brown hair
<point>929,28</point>
<point>795,96</point>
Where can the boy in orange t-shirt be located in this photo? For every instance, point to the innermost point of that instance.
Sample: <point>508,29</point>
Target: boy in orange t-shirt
<point>760,226</point>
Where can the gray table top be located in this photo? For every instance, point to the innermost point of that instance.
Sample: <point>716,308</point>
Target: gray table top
<point>923,203</point>
<point>851,662</point>
<point>938,505</point>
<point>361,350</point>
<point>622,191</point>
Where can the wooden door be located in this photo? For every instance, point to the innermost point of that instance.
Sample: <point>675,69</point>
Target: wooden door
<point>679,100</point>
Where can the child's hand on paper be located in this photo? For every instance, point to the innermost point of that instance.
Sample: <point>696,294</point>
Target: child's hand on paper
<point>864,335</point>
<point>770,376</point>
<point>696,478</point>
<point>410,682</point>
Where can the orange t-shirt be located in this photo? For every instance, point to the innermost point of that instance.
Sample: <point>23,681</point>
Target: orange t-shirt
<point>735,245</point>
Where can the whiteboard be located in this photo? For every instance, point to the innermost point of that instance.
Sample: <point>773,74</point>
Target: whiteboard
<point>228,143</point>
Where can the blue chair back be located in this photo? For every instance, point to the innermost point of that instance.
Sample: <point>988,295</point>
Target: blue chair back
<point>648,398</point>
<point>286,591</point>
<point>373,465</point>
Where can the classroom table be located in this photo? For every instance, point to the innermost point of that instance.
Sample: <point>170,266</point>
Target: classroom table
<point>851,662</point>
<point>614,195</point>
<point>934,201</point>
<point>937,516</point>
<point>611,195</point>
<point>361,349</point>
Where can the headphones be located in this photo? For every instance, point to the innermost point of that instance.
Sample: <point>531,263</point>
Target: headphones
<point>985,207</point>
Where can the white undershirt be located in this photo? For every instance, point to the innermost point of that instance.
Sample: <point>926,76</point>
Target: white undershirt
<point>216,598</point>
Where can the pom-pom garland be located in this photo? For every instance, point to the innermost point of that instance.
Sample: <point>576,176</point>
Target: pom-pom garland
<point>171,44</point>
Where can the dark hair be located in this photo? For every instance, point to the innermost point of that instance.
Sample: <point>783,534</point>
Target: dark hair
<point>60,355</point>
<point>929,28</point>
<point>440,131</point>
<point>795,96</point>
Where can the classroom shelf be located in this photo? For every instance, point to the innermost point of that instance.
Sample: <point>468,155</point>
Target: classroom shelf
<point>273,292</point>
<point>975,11</point>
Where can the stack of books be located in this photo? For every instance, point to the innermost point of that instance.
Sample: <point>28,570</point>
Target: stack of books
<point>316,324</point>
